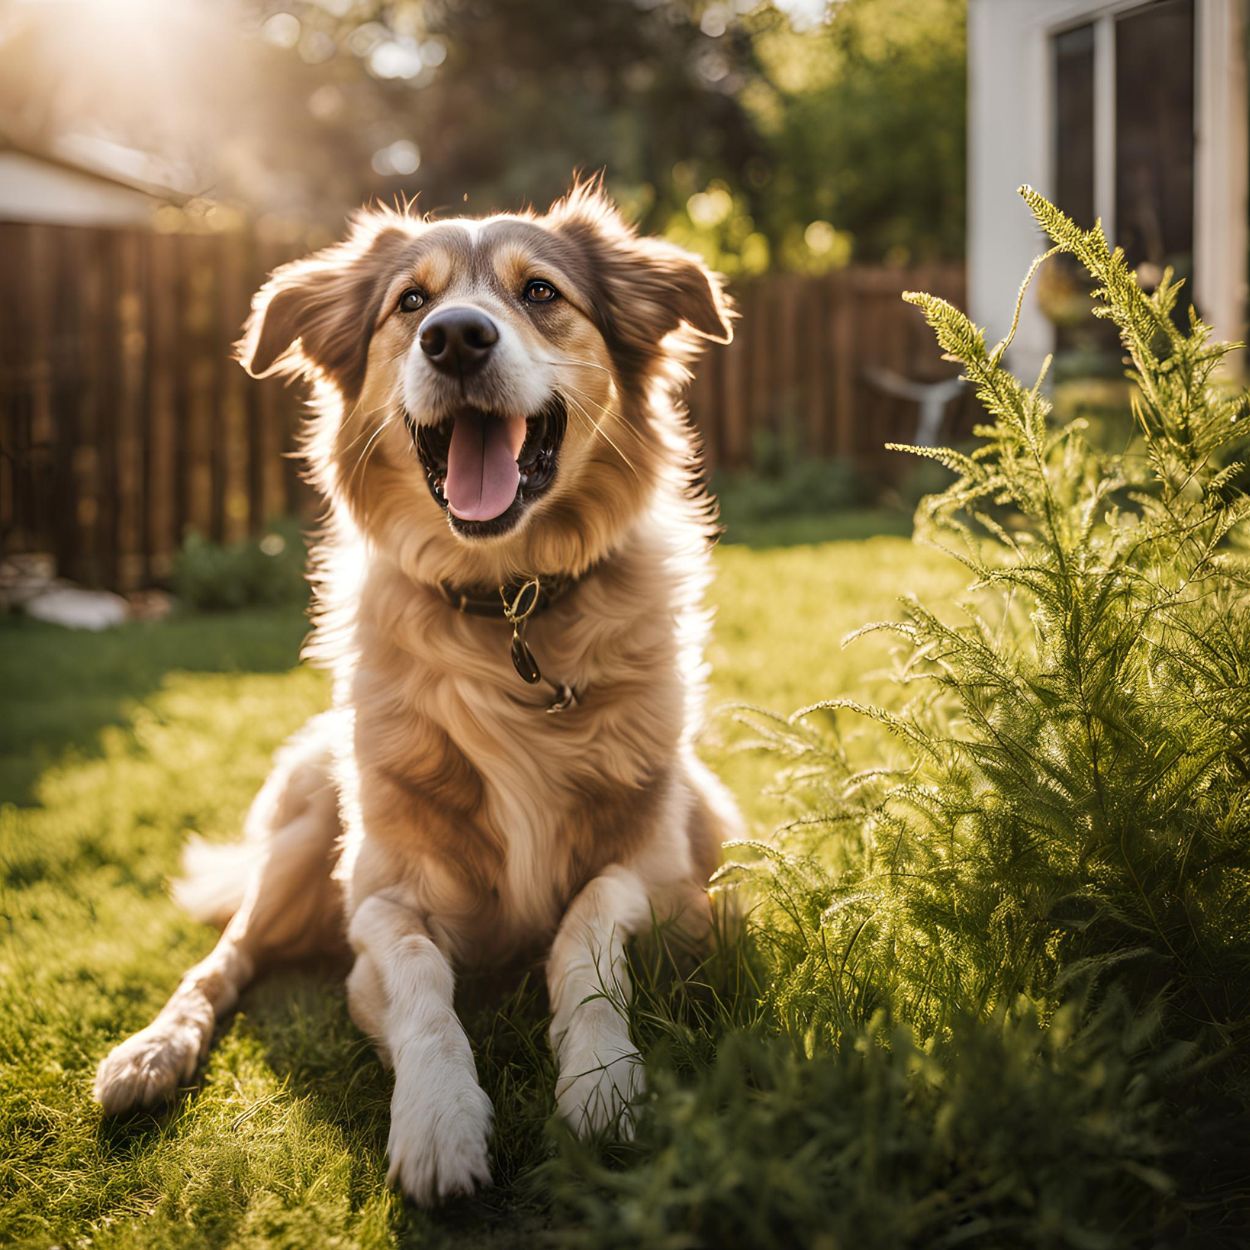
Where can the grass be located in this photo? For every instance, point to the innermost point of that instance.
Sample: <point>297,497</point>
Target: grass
<point>846,525</point>
<point>113,748</point>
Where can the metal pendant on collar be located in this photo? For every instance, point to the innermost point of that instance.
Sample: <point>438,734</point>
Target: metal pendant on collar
<point>523,659</point>
<point>566,697</point>
<point>523,602</point>
<point>519,605</point>
<point>517,609</point>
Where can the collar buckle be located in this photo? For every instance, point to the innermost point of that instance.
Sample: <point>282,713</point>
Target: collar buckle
<point>524,602</point>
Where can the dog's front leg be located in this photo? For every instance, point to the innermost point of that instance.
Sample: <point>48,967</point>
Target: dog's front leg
<point>599,1070</point>
<point>440,1117</point>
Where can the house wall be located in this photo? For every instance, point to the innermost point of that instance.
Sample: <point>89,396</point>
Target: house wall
<point>1222,205</point>
<point>1009,123</point>
<point>1007,147</point>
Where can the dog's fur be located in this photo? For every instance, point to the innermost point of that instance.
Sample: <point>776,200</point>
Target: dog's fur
<point>438,814</point>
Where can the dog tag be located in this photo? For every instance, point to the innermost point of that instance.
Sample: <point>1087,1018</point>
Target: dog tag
<point>522,604</point>
<point>523,660</point>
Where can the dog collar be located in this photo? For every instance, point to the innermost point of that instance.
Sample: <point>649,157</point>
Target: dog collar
<point>527,597</point>
<point>517,602</point>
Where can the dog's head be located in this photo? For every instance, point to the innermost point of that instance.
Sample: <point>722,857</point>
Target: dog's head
<point>489,387</point>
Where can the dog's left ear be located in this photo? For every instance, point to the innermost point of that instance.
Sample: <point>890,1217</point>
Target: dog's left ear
<point>647,288</point>
<point>316,315</point>
<point>678,287</point>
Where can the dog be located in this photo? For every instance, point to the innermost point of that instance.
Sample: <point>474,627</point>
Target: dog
<point>509,596</point>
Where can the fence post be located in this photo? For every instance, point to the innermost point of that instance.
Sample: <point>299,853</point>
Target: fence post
<point>842,359</point>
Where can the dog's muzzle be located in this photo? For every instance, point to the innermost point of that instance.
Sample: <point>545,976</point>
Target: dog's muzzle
<point>486,468</point>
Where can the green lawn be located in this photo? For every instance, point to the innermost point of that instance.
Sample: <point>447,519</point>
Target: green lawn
<point>114,748</point>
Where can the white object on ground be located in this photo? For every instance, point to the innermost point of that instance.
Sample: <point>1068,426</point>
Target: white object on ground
<point>76,608</point>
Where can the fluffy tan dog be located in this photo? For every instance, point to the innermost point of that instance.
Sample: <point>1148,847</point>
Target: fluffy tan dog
<point>509,598</point>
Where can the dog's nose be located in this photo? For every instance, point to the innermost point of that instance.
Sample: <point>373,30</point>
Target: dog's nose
<point>458,340</point>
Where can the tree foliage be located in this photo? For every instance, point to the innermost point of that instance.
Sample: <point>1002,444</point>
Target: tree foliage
<point>731,125</point>
<point>865,122</point>
<point>854,123</point>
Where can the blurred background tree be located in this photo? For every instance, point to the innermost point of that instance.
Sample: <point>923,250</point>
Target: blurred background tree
<point>864,120</point>
<point>795,135</point>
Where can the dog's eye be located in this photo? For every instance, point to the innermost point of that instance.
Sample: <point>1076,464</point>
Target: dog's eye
<point>540,292</point>
<point>411,300</point>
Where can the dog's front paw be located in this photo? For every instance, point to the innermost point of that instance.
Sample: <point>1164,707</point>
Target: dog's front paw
<point>440,1125</point>
<point>598,1088</point>
<point>148,1067</point>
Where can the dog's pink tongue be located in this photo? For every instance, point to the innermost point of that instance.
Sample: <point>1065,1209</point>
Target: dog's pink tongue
<point>482,473</point>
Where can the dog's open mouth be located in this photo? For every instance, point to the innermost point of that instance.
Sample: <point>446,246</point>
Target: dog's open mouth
<point>484,468</point>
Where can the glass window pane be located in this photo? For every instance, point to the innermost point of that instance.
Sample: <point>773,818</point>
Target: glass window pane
<point>1072,54</point>
<point>1154,137</point>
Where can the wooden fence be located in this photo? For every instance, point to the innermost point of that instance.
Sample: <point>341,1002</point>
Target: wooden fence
<point>802,361</point>
<point>124,422</point>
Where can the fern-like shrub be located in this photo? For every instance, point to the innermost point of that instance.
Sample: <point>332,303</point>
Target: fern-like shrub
<point>1007,983</point>
<point>1073,797</point>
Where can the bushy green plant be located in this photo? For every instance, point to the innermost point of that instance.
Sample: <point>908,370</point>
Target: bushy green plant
<point>267,570</point>
<point>785,482</point>
<point>1006,1133</point>
<point>1072,790</point>
<point>1006,994</point>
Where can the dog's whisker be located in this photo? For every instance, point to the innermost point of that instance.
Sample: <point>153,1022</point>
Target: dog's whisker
<point>606,411</point>
<point>369,432</point>
<point>362,459</point>
<point>596,427</point>
<point>586,398</point>
<point>355,412</point>
<point>368,428</point>
<point>577,364</point>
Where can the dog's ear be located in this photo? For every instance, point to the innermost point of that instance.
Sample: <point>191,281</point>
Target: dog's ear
<point>317,315</point>
<point>648,289</point>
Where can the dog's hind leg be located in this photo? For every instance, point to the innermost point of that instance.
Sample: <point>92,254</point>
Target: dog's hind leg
<point>284,904</point>
<point>714,817</point>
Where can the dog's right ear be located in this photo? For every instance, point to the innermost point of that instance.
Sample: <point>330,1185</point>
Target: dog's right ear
<point>316,316</point>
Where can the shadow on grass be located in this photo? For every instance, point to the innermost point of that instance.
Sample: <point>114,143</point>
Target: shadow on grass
<point>299,1019</point>
<point>124,1138</point>
<point>850,525</point>
<point>61,687</point>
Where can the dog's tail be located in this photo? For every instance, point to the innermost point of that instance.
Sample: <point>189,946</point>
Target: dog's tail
<point>214,878</point>
<point>291,834</point>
